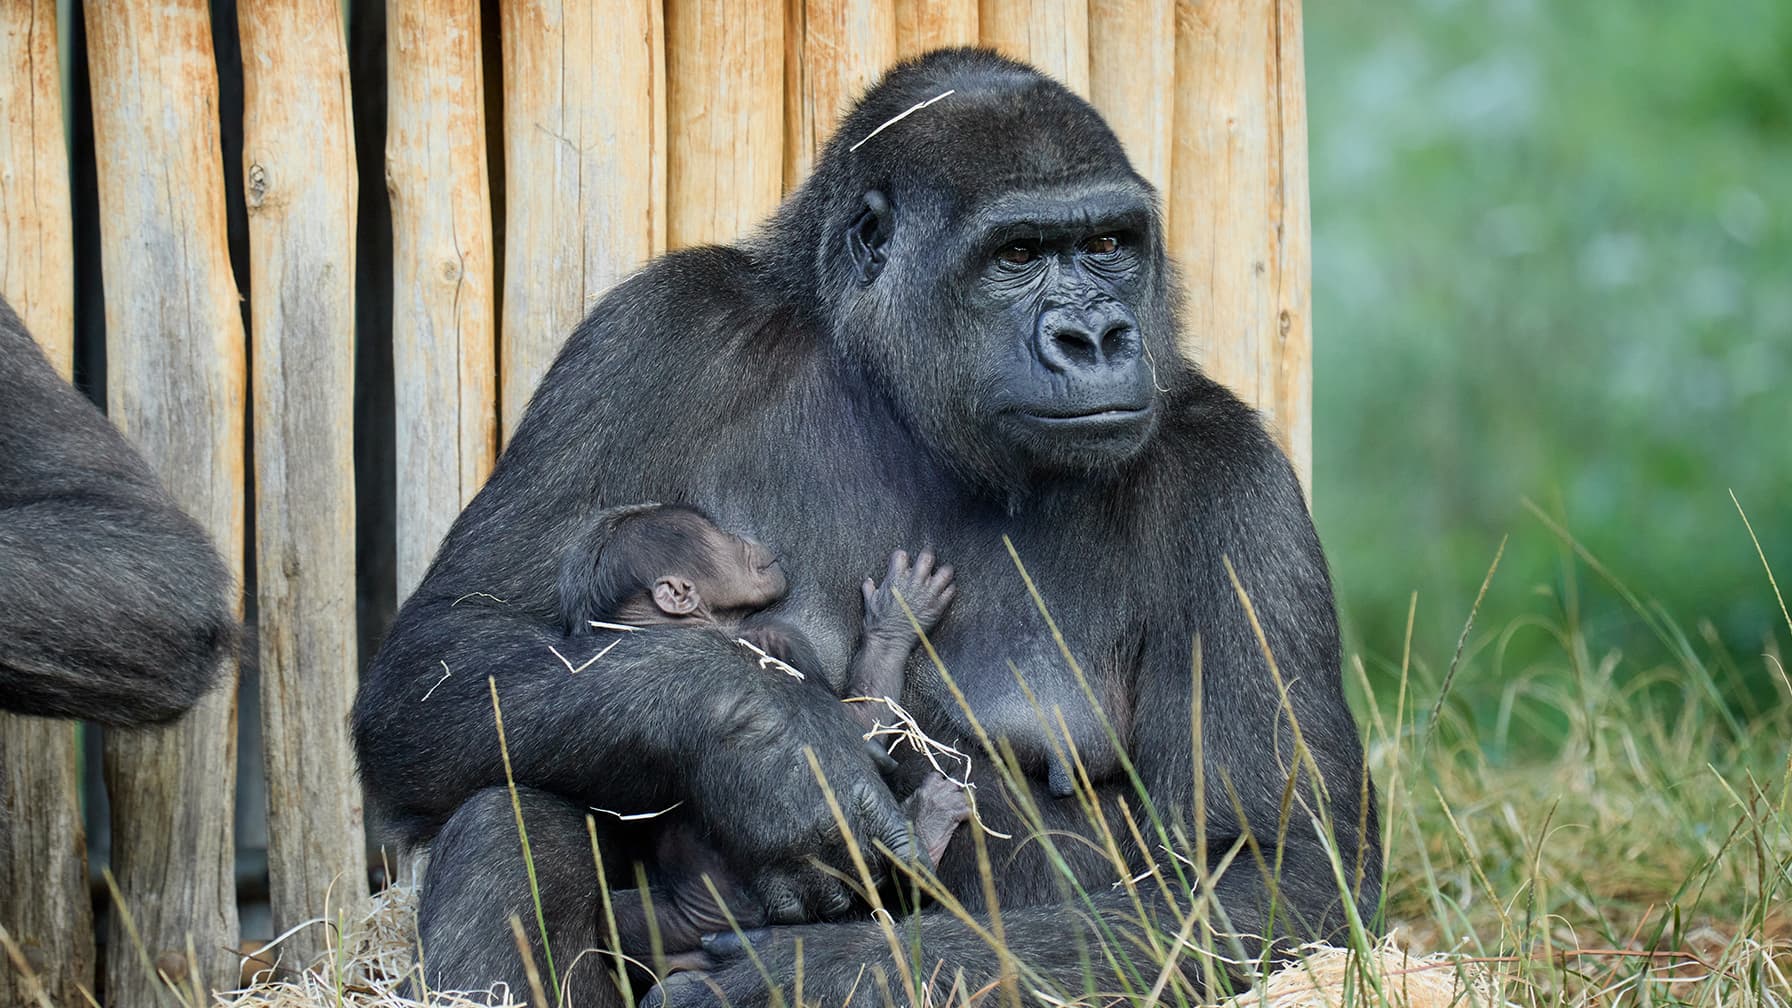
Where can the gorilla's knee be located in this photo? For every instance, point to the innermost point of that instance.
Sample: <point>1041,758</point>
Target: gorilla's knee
<point>477,880</point>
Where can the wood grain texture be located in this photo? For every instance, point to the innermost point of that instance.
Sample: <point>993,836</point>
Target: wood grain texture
<point>833,51</point>
<point>925,25</point>
<point>725,117</point>
<point>1239,219</point>
<point>585,146</point>
<point>175,387</point>
<point>36,250</point>
<point>1052,35</point>
<point>443,352</point>
<point>44,904</point>
<point>1132,79</point>
<point>299,185</point>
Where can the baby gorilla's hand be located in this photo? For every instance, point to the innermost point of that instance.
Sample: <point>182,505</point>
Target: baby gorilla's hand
<point>927,590</point>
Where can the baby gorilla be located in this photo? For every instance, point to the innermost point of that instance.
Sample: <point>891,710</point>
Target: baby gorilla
<point>655,567</point>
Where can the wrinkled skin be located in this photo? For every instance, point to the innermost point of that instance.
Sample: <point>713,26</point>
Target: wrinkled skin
<point>962,332</point>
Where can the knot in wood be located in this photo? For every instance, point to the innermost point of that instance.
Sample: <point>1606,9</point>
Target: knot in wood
<point>173,967</point>
<point>451,270</point>
<point>257,188</point>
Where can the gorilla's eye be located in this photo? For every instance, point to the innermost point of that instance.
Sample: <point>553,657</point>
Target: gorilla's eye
<point>1017,255</point>
<point>1102,245</point>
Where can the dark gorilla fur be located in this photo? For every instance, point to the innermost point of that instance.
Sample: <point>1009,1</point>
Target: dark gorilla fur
<point>113,604</point>
<point>880,366</point>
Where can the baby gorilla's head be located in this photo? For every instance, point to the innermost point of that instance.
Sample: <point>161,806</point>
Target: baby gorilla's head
<point>664,563</point>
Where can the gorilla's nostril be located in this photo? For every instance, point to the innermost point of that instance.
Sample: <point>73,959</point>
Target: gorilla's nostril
<point>1119,341</point>
<point>1076,345</point>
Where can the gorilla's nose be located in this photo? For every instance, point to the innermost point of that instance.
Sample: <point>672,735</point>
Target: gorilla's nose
<point>1084,341</point>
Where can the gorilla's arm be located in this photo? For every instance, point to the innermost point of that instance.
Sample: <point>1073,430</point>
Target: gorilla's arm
<point>113,604</point>
<point>640,728</point>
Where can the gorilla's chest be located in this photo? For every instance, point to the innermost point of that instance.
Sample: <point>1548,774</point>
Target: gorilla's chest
<point>1054,691</point>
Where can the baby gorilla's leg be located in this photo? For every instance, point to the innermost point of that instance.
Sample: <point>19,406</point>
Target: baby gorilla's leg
<point>683,906</point>
<point>936,809</point>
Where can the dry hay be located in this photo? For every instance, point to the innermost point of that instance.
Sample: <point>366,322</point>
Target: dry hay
<point>366,969</point>
<point>1328,977</point>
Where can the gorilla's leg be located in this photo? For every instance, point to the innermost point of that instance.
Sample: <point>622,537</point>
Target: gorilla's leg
<point>477,880</point>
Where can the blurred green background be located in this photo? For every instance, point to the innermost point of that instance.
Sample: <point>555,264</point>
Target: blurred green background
<point>1553,261</point>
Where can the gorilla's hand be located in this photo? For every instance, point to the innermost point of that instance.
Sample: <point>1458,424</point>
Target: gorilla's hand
<point>927,590</point>
<point>755,790</point>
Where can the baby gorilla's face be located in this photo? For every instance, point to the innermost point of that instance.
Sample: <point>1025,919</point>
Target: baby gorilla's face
<point>745,575</point>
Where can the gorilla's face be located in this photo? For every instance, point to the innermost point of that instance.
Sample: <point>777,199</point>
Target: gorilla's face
<point>1022,333</point>
<point>1052,286</point>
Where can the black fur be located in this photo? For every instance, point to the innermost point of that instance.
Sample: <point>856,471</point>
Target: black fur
<point>868,372</point>
<point>113,604</point>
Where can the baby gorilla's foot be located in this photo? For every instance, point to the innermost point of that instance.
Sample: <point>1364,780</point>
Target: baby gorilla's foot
<point>936,809</point>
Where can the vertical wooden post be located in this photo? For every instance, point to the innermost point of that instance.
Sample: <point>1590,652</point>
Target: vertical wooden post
<point>43,850</point>
<point>1239,219</point>
<point>833,51</point>
<point>1132,78</point>
<point>585,143</point>
<point>442,351</point>
<point>299,183</point>
<point>725,115</point>
<point>175,387</point>
<point>1052,35</point>
<point>923,25</point>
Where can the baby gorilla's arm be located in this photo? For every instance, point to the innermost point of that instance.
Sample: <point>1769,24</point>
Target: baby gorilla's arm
<point>889,638</point>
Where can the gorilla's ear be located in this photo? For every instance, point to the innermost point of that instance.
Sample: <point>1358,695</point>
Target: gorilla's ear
<point>676,596</point>
<point>869,232</point>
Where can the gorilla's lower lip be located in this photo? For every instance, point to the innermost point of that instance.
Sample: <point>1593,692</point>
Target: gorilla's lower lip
<point>1117,414</point>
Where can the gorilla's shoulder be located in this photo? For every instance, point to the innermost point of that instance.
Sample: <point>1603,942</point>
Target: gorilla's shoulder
<point>689,301</point>
<point>1212,439</point>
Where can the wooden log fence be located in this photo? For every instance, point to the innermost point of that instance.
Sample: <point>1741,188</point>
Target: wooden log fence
<point>624,127</point>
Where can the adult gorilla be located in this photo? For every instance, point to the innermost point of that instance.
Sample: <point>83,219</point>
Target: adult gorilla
<point>961,328</point>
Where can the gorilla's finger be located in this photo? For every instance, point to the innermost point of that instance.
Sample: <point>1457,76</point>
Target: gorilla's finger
<point>883,820</point>
<point>726,945</point>
<point>944,575</point>
<point>869,590</point>
<point>835,903</point>
<point>779,894</point>
<point>924,563</point>
<point>886,764</point>
<point>898,564</point>
<point>683,990</point>
<point>696,961</point>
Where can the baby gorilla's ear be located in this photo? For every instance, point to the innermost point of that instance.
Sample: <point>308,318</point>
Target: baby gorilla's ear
<point>676,596</point>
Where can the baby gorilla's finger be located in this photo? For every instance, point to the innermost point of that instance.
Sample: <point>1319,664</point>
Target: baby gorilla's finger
<point>944,575</point>
<point>869,590</point>
<point>898,564</point>
<point>924,563</point>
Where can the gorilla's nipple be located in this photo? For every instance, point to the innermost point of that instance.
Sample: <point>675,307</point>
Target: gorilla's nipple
<point>1058,778</point>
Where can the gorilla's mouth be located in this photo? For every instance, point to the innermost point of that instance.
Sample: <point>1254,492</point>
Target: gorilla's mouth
<point>1107,416</point>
